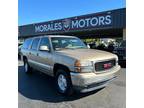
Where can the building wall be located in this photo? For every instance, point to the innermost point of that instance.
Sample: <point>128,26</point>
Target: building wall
<point>102,21</point>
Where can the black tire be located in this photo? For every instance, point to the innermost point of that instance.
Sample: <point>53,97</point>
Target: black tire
<point>69,88</point>
<point>29,69</point>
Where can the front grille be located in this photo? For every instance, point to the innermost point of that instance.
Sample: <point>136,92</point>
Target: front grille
<point>105,65</point>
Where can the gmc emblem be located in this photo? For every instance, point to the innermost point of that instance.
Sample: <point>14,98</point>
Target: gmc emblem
<point>107,65</point>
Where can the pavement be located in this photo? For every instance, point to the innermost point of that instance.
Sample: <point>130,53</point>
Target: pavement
<point>37,90</point>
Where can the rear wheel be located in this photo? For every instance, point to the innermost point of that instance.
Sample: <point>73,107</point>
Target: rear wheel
<point>63,82</point>
<point>27,68</point>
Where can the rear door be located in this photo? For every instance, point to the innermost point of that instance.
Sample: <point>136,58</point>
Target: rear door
<point>33,54</point>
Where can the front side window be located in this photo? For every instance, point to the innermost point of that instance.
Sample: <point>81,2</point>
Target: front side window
<point>60,43</point>
<point>35,43</point>
<point>44,42</point>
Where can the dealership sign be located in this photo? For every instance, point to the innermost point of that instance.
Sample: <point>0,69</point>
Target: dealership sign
<point>97,21</point>
<point>75,24</point>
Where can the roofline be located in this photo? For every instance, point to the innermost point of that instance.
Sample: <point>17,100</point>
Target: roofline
<point>53,36</point>
<point>61,36</point>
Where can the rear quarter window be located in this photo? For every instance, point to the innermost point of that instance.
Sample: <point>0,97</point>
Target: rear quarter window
<point>27,43</point>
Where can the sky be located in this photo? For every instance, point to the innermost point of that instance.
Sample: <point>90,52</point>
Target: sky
<point>33,11</point>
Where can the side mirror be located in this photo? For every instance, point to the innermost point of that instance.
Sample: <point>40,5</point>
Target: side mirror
<point>44,48</point>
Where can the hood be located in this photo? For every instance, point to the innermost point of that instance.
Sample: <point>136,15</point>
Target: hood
<point>87,54</point>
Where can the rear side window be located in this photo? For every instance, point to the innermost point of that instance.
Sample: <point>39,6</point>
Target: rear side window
<point>35,43</point>
<point>27,43</point>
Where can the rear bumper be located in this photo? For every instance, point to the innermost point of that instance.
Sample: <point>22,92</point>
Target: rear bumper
<point>85,82</point>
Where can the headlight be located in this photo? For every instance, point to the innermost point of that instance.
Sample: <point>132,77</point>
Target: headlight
<point>84,66</point>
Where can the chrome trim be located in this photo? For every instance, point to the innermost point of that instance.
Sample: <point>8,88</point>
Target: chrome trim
<point>103,71</point>
<point>108,70</point>
<point>103,60</point>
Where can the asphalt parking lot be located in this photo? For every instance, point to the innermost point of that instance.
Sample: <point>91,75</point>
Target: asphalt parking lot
<point>37,91</point>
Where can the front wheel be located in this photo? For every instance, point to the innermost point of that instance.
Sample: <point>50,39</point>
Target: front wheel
<point>63,82</point>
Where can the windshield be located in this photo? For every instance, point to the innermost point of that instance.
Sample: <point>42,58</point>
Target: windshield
<point>61,43</point>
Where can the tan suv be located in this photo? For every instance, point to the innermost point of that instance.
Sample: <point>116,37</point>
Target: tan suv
<point>74,66</point>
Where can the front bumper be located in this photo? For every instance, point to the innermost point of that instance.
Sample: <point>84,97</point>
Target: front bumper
<point>85,82</point>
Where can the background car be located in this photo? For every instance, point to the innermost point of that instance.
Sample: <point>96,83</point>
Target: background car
<point>121,52</point>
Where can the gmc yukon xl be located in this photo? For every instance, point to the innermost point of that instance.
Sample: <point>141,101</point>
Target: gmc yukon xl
<point>70,62</point>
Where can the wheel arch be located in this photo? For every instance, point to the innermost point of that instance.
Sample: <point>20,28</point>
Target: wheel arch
<point>24,58</point>
<point>60,66</point>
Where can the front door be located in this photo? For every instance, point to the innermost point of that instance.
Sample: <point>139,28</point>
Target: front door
<point>45,57</point>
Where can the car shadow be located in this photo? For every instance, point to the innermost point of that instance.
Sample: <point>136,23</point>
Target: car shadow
<point>39,86</point>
